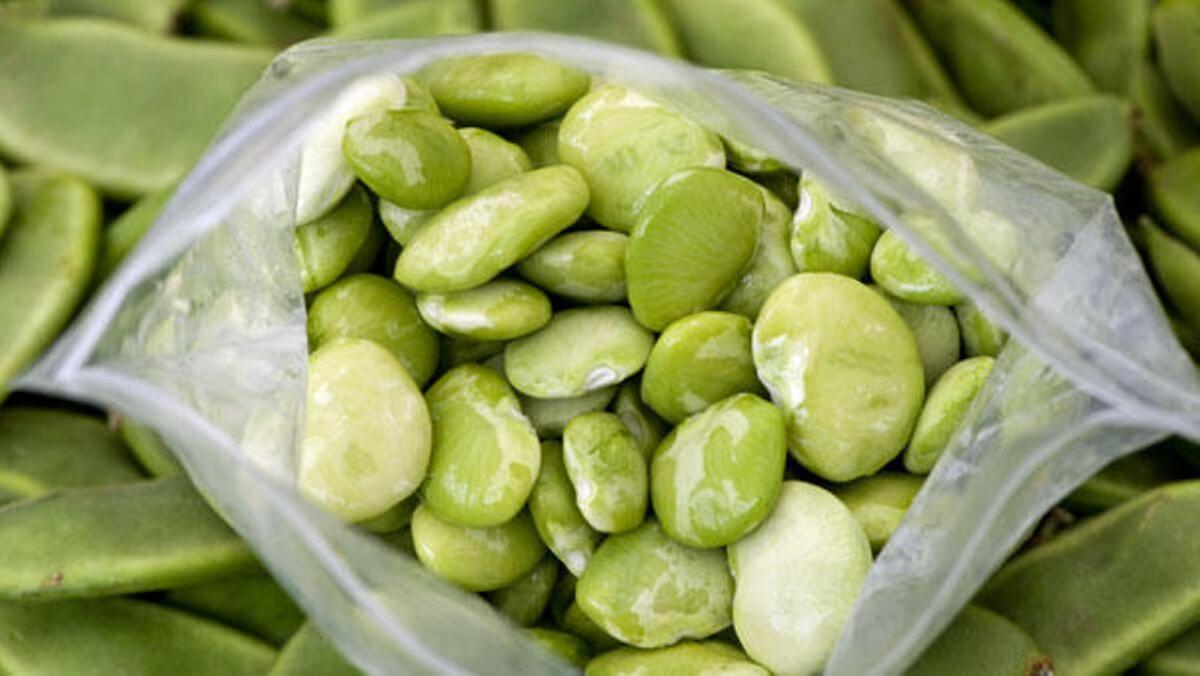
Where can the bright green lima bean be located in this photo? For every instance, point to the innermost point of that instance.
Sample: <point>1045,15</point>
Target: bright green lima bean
<point>395,518</point>
<point>493,159</point>
<point>697,361</point>
<point>686,657</point>
<point>556,515</point>
<point>43,450</point>
<point>567,647</point>
<point>411,158</point>
<point>550,416</point>
<point>580,350</point>
<point>327,246</point>
<point>502,309</point>
<point>378,309</point>
<point>115,539</point>
<point>624,144</point>
<point>980,337</point>
<point>642,421</point>
<point>717,475</point>
<point>944,410</point>
<point>477,559</point>
<point>586,266</point>
<point>540,143</point>
<point>798,576</point>
<point>108,636</point>
<point>402,224</point>
<point>607,471</point>
<point>746,159</point>
<point>367,430</point>
<point>827,236</point>
<point>695,235</point>
<point>649,591</point>
<point>486,455</point>
<point>475,238</point>
<point>845,369</point>
<point>907,276</point>
<point>879,503</point>
<point>772,262</point>
<point>55,219</point>
<point>505,90</point>
<point>1173,188</point>
<point>1176,268</point>
<point>525,600</point>
<point>936,330</point>
<point>459,351</point>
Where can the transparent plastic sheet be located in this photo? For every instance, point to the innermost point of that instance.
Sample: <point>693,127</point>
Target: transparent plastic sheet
<point>201,334</point>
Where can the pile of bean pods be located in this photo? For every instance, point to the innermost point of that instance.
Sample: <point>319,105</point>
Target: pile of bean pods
<point>654,397</point>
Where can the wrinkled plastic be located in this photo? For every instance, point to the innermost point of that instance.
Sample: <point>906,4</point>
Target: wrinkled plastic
<point>201,334</point>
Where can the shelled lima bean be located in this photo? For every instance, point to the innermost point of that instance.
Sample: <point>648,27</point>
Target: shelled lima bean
<point>604,421</point>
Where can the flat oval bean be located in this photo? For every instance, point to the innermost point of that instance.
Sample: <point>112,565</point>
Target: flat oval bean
<point>717,475</point>
<point>980,337</point>
<point>697,361</point>
<point>695,236</point>
<point>486,455</point>
<point>309,652</point>
<point>797,577</point>
<point>707,657</point>
<point>157,16</point>
<point>328,245</point>
<point>936,330</point>
<point>844,368</point>
<point>325,173</point>
<point>378,309</point>
<point>502,309</point>
<point>828,237</point>
<point>550,416</point>
<point>979,641</point>
<point>252,603</point>
<point>395,518</point>
<point>755,34</point>
<point>1126,478</point>
<point>580,350</point>
<point>907,276</point>
<point>642,421</point>
<point>411,158</point>
<point>402,224</point>
<point>477,559</point>
<point>505,90</point>
<point>1108,38</point>
<point>556,515</point>
<point>43,450</point>
<point>249,22</point>
<point>174,92</point>
<point>493,159</point>
<point>1173,191</point>
<point>638,23</point>
<point>944,410</point>
<point>540,143</point>
<point>1162,123</point>
<point>47,258</point>
<point>116,539</point>
<point>149,450</point>
<point>879,503</point>
<point>772,262</point>
<point>122,636</point>
<point>567,647</point>
<point>459,351</point>
<point>123,234</point>
<point>586,265</point>
<point>624,144</point>
<point>1106,593</point>
<point>1089,138</point>
<point>607,470</point>
<point>649,591</point>
<point>367,431</point>
<point>474,239</point>
<point>526,600</point>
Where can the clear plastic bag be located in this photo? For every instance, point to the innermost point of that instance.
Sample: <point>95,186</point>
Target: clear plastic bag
<point>201,333</point>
